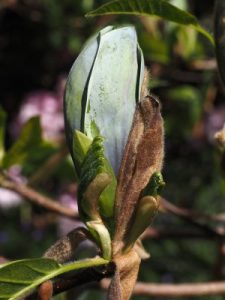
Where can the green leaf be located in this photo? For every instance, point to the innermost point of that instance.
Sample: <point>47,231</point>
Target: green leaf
<point>2,133</point>
<point>19,278</point>
<point>28,145</point>
<point>80,145</point>
<point>160,8</point>
<point>90,161</point>
<point>97,183</point>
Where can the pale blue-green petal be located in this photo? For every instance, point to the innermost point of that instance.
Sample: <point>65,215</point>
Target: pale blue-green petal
<point>76,84</point>
<point>112,91</point>
<point>141,70</point>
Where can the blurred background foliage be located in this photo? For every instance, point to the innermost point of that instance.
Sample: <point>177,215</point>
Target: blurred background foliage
<point>39,40</point>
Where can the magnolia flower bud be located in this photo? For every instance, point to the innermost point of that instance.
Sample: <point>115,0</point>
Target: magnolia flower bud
<point>103,88</point>
<point>116,138</point>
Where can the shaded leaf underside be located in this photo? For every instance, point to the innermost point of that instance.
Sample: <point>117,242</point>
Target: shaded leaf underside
<point>160,8</point>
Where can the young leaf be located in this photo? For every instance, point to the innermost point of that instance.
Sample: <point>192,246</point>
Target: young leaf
<point>97,183</point>
<point>80,146</point>
<point>2,133</point>
<point>155,185</point>
<point>20,277</point>
<point>160,8</point>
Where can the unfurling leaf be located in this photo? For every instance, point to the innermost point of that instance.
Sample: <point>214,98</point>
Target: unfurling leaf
<point>97,184</point>
<point>91,196</point>
<point>155,185</point>
<point>80,145</point>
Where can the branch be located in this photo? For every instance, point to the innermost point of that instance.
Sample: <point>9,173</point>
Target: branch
<point>190,214</point>
<point>37,198</point>
<point>191,217</point>
<point>141,289</point>
<point>160,233</point>
<point>92,275</point>
<point>175,290</point>
<point>81,278</point>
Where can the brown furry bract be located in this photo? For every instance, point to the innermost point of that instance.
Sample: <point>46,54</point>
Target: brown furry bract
<point>143,156</point>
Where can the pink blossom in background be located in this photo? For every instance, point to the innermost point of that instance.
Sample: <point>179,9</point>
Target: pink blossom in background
<point>15,173</point>
<point>46,104</point>
<point>9,199</point>
<point>65,225</point>
<point>215,122</point>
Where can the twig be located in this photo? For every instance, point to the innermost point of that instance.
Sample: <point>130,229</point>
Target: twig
<point>184,212</point>
<point>204,64</point>
<point>90,275</point>
<point>37,198</point>
<point>220,262</point>
<point>190,216</point>
<point>141,289</point>
<point>175,290</point>
<point>160,233</point>
<point>87,276</point>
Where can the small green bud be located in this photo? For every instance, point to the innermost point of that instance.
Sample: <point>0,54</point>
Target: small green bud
<point>155,185</point>
<point>146,211</point>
